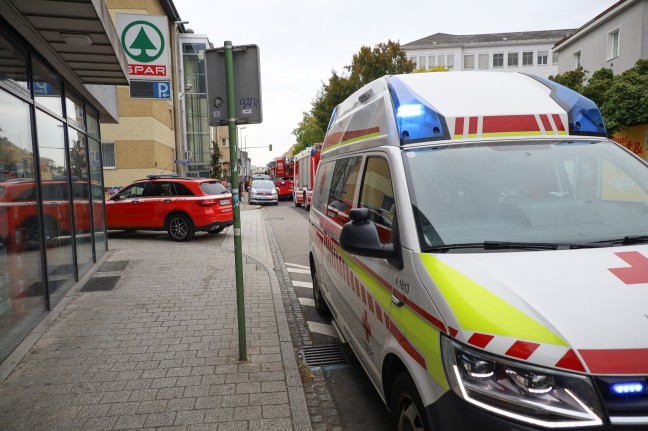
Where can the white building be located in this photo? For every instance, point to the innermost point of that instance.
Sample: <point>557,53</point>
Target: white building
<point>615,39</point>
<point>529,51</point>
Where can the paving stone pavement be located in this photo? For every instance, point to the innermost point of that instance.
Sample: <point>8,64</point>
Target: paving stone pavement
<point>161,350</point>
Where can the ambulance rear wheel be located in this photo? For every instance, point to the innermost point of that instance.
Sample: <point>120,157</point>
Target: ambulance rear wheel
<point>320,304</point>
<point>306,205</point>
<point>406,408</point>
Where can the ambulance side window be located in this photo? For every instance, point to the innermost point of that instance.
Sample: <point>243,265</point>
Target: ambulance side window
<point>343,184</point>
<point>322,186</point>
<point>378,196</point>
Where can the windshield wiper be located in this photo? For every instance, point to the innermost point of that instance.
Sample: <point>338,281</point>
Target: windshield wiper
<point>628,240</point>
<point>505,245</point>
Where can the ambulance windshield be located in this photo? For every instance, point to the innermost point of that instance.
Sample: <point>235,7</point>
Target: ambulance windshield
<point>543,192</point>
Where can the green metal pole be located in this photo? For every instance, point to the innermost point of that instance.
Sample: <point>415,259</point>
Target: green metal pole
<point>238,254</point>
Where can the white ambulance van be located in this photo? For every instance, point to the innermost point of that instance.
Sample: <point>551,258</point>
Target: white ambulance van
<point>483,248</point>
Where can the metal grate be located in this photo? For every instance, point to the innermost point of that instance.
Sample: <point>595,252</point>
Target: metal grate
<point>323,355</point>
<point>96,284</point>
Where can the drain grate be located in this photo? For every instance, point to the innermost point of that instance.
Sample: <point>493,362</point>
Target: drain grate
<point>323,355</point>
<point>96,284</point>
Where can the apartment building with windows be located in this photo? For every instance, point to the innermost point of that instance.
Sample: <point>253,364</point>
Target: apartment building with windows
<point>616,39</point>
<point>529,51</point>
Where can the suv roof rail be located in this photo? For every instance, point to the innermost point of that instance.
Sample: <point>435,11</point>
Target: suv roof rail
<point>152,176</point>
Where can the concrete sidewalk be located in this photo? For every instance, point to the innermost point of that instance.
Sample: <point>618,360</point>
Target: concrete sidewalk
<point>160,350</point>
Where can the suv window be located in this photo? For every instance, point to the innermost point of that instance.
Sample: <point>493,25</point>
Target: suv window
<point>27,195</point>
<point>213,188</point>
<point>160,188</point>
<point>378,195</point>
<point>133,191</point>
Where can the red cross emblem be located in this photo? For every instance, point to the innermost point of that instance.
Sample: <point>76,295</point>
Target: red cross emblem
<point>637,272</point>
<point>366,326</point>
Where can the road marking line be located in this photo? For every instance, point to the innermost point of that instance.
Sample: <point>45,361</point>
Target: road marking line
<point>298,266</point>
<point>299,271</point>
<point>322,328</point>
<point>307,301</point>
<point>307,284</point>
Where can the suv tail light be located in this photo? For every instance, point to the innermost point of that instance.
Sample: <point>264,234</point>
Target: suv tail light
<point>207,202</point>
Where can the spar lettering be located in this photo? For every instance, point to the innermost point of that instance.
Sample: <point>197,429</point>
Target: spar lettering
<point>142,70</point>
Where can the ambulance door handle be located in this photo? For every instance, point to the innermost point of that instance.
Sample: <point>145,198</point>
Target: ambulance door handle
<point>397,302</point>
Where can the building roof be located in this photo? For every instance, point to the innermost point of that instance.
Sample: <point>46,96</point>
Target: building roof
<point>594,22</point>
<point>451,40</point>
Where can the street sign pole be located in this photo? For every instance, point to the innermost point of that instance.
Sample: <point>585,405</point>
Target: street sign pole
<point>238,253</point>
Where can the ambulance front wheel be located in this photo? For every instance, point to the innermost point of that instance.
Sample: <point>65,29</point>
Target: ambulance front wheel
<point>406,408</point>
<point>320,304</point>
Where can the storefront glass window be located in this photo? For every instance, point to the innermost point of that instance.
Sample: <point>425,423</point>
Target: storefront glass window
<point>13,67</point>
<point>21,284</point>
<point>81,199</point>
<point>74,106</point>
<point>97,197</point>
<point>56,205</point>
<point>47,89</point>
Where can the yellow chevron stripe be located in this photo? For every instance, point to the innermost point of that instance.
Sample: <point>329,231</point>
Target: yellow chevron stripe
<point>479,310</point>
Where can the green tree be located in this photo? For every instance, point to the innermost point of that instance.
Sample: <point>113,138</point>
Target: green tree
<point>574,79</point>
<point>307,133</point>
<point>626,100</point>
<point>368,64</point>
<point>598,85</point>
<point>216,168</point>
<point>432,69</point>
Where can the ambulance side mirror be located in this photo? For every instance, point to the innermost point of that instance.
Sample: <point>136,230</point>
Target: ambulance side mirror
<point>360,237</point>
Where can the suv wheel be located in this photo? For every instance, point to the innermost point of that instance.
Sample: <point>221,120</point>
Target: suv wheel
<point>180,228</point>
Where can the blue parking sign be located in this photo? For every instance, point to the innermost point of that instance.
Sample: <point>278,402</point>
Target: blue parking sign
<point>162,90</point>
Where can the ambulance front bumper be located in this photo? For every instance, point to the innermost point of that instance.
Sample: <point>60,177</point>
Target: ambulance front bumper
<point>451,413</point>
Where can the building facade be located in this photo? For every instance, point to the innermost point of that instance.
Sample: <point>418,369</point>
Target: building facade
<point>529,52</point>
<point>614,39</point>
<point>59,63</point>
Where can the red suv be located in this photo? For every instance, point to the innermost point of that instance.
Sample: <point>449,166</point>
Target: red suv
<point>181,206</point>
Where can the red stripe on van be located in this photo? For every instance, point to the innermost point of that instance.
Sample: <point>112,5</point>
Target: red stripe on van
<point>405,344</point>
<point>459,126</point>
<point>522,349</point>
<point>509,123</point>
<point>571,362</point>
<point>472,125</point>
<point>546,123</point>
<point>559,123</point>
<point>616,361</point>
<point>480,340</point>
<point>421,312</point>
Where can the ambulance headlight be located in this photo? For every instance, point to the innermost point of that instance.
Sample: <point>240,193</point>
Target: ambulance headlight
<point>522,392</point>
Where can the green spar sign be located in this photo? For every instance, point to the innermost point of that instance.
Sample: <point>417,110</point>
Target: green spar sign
<point>138,49</point>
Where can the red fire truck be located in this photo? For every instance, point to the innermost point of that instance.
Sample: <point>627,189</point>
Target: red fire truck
<point>281,171</point>
<point>306,163</point>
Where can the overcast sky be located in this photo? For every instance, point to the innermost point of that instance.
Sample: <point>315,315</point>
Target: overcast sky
<point>301,42</point>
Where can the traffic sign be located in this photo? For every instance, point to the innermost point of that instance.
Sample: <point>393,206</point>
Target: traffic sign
<point>247,85</point>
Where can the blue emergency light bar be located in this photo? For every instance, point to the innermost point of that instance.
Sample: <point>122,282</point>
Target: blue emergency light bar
<point>583,115</point>
<point>416,121</point>
<point>628,388</point>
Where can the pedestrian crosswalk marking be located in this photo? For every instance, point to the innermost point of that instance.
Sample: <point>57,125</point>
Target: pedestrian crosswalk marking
<point>307,301</point>
<point>297,265</point>
<point>322,328</point>
<point>299,270</point>
<point>307,284</point>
